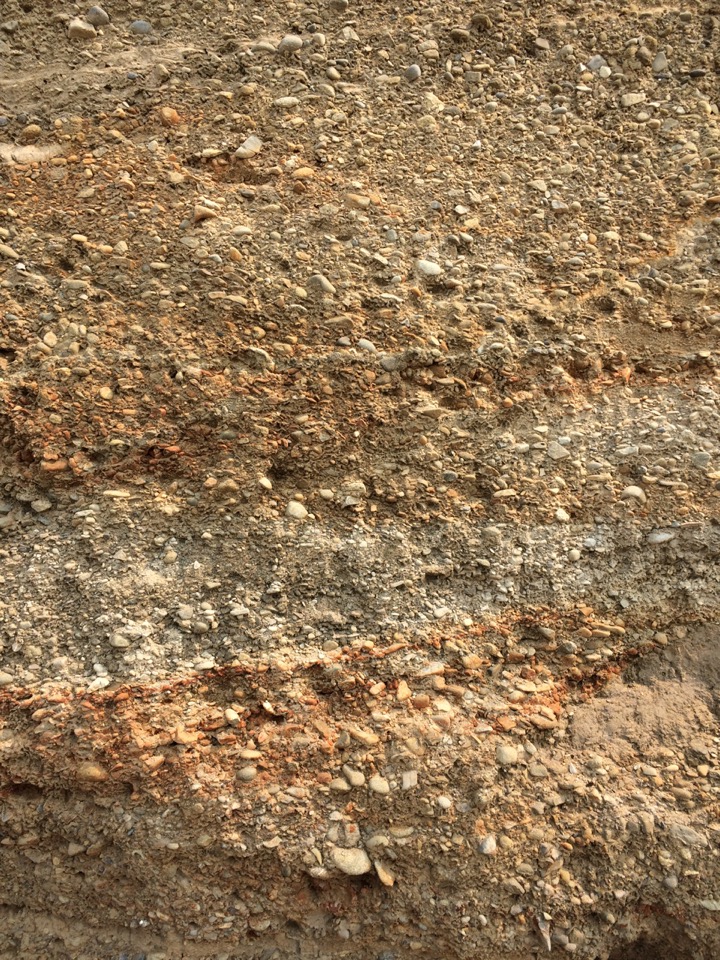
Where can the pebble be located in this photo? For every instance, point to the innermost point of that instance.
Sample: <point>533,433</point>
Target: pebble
<point>322,283</point>
<point>250,148</point>
<point>296,511</point>
<point>413,72</point>
<point>354,862</point>
<point>488,845</point>
<point>290,44</point>
<point>660,536</point>
<point>247,774</point>
<point>141,27</point>
<point>409,779</point>
<point>81,30</point>
<point>557,451</point>
<point>428,268</point>
<point>660,63</point>
<point>92,772</point>
<point>379,785</point>
<point>634,493</point>
<point>632,99</point>
<point>506,755</point>
<point>97,17</point>
<point>354,777</point>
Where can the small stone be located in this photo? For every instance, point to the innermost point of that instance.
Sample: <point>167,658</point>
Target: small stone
<point>290,44</point>
<point>632,99</point>
<point>97,17</point>
<point>633,493</point>
<point>488,846</point>
<point>92,772</point>
<point>246,774</point>
<point>413,72</point>
<point>31,133</point>
<point>6,679</point>
<point>340,785</point>
<point>660,63</point>
<point>687,835</point>
<point>227,485</point>
<point>169,117</point>
<point>40,506</point>
<point>354,777</point>
<point>232,717</point>
<point>250,148</point>
<point>472,661</point>
<point>403,691</point>
<point>81,30</point>
<point>384,876</point>
<point>429,269</point>
<point>322,283</point>
<point>409,779</point>
<point>141,27</point>
<point>379,785</point>
<point>660,536</point>
<point>353,862</point>
<point>367,345</point>
<point>506,755</point>
<point>556,451</point>
<point>296,511</point>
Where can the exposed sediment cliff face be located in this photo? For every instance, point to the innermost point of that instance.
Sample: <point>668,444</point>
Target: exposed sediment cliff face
<point>359,435</point>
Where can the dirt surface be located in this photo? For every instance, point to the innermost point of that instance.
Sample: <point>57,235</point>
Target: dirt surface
<point>359,518</point>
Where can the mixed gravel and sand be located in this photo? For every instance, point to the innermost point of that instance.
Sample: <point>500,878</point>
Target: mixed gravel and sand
<point>360,487</point>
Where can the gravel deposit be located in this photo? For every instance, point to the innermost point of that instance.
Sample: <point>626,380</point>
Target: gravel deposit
<point>359,480</point>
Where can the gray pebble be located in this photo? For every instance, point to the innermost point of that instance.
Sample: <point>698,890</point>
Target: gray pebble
<point>290,44</point>
<point>660,63</point>
<point>97,17</point>
<point>141,27</point>
<point>413,72</point>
